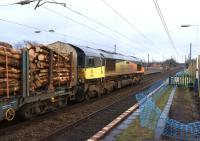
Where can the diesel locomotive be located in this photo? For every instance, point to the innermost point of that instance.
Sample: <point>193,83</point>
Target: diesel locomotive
<point>92,72</point>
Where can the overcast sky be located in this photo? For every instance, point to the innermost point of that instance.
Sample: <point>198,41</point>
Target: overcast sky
<point>141,14</point>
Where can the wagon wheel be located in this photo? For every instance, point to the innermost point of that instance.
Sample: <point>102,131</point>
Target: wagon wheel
<point>10,114</point>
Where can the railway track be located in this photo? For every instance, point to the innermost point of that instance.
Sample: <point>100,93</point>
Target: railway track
<point>82,118</point>
<point>89,125</point>
<point>13,124</point>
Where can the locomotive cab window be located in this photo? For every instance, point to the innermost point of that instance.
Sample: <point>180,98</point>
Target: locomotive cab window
<point>91,62</point>
<point>94,62</point>
<point>81,60</point>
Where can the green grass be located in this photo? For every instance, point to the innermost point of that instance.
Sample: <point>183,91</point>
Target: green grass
<point>164,98</point>
<point>135,132</point>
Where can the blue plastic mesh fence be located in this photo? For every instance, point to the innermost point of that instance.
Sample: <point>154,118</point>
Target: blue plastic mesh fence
<point>181,131</point>
<point>148,90</point>
<point>150,114</point>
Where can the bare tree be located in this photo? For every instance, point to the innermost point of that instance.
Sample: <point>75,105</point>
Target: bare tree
<point>23,43</point>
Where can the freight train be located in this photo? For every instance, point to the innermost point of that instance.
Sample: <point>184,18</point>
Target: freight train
<point>47,84</point>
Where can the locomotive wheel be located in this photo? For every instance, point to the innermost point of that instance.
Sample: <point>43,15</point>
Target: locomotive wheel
<point>10,114</point>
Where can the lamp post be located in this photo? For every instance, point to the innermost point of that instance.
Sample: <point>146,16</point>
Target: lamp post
<point>44,34</point>
<point>196,83</point>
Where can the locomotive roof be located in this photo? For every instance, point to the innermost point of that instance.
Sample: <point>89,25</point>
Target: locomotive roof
<point>91,52</point>
<point>107,54</point>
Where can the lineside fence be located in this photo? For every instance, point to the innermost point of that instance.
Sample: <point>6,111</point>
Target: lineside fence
<point>150,114</point>
<point>182,79</point>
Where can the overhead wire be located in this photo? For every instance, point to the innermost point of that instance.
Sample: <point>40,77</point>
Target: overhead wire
<point>95,21</point>
<point>63,16</point>
<point>62,34</point>
<point>131,25</point>
<point>20,24</point>
<point>165,25</point>
<point>85,25</point>
<point>22,2</point>
<point>80,23</point>
<point>101,24</point>
<point>107,27</point>
<point>128,22</point>
<point>7,4</point>
<point>91,28</point>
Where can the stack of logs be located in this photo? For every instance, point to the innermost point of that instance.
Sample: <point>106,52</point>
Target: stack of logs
<point>9,69</point>
<point>39,70</point>
<point>40,67</point>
